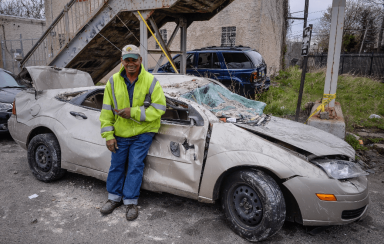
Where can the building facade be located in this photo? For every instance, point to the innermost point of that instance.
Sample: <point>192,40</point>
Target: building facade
<point>18,35</point>
<point>259,24</point>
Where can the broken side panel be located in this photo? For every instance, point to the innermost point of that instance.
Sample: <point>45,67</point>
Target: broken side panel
<point>175,159</point>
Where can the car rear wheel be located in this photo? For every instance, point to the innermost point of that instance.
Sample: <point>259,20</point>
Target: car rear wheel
<point>254,205</point>
<point>44,157</point>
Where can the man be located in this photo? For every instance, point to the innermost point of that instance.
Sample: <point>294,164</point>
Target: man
<point>132,107</point>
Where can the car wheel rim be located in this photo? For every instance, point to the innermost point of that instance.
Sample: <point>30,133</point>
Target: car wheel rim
<point>247,205</point>
<point>43,158</point>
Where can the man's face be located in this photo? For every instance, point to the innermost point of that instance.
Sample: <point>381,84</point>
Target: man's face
<point>131,65</point>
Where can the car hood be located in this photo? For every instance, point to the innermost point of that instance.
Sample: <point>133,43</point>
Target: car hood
<point>7,95</point>
<point>47,77</point>
<point>305,137</point>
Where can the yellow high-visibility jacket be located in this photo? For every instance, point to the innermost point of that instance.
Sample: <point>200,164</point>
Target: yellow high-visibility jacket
<point>143,119</point>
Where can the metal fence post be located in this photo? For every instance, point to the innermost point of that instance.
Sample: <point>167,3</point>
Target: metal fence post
<point>370,69</point>
<point>342,66</point>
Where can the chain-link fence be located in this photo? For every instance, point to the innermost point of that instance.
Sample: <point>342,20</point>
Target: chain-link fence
<point>10,49</point>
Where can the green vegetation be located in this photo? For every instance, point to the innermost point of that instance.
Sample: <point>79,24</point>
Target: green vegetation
<point>376,140</point>
<point>359,96</point>
<point>351,140</point>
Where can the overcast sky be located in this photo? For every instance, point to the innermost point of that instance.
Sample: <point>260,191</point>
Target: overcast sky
<point>314,6</point>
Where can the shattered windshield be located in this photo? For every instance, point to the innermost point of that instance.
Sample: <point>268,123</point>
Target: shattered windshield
<point>224,103</point>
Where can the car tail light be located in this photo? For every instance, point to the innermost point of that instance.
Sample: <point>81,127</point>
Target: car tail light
<point>327,197</point>
<point>254,76</point>
<point>14,107</point>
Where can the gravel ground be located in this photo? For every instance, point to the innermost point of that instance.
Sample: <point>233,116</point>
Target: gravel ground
<point>67,211</point>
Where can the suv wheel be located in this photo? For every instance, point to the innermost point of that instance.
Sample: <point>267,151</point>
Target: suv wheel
<point>44,157</point>
<point>254,205</point>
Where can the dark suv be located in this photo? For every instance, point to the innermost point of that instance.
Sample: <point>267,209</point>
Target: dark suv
<point>9,87</point>
<point>242,69</point>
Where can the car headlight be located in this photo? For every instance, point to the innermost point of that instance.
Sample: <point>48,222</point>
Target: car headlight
<point>4,107</point>
<point>340,169</point>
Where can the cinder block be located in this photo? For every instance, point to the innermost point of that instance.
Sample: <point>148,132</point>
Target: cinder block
<point>333,126</point>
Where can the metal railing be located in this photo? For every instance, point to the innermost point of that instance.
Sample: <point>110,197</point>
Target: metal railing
<point>68,23</point>
<point>371,64</point>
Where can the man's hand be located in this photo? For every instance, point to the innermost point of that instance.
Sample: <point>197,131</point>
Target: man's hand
<point>112,145</point>
<point>124,113</point>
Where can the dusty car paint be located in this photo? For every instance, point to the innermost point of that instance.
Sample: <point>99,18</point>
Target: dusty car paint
<point>206,152</point>
<point>308,138</point>
<point>45,77</point>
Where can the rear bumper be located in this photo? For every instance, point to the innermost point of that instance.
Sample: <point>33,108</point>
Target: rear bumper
<point>18,131</point>
<point>352,200</point>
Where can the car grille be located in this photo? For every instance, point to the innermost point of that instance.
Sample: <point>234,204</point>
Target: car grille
<point>351,214</point>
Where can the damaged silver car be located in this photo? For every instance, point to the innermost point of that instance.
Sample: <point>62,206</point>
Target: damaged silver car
<point>213,145</point>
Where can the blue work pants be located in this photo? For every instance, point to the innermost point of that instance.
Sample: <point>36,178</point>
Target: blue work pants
<point>127,187</point>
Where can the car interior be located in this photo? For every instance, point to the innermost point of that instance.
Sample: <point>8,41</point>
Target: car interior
<point>176,111</point>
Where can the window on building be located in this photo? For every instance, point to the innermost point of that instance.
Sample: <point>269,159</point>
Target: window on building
<point>163,33</point>
<point>228,36</point>
<point>237,61</point>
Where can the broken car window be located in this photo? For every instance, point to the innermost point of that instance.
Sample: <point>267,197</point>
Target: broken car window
<point>237,61</point>
<point>204,61</point>
<point>224,103</point>
<point>256,58</point>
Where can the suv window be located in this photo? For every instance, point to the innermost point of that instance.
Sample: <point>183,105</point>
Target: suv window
<point>190,58</point>
<point>256,58</point>
<point>237,61</point>
<point>208,60</point>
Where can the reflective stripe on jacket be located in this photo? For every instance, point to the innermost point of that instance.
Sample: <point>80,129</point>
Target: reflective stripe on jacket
<point>142,120</point>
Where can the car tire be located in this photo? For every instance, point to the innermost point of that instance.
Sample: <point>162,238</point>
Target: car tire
<point>254,205</point>
<point>44,157</point>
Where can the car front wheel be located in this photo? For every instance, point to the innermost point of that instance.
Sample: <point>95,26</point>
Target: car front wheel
<point>254,205</point>
<point>44,157</point>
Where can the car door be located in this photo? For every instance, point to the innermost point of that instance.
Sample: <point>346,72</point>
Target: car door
<point>208,65</point>
<point>175,159</point>
<point>83,138</point>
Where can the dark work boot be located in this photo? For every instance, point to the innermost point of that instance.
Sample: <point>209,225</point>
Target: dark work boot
<point>132,212</point>
<point>109,206</point>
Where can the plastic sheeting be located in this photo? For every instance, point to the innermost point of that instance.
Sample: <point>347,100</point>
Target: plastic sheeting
<point>224,103</point>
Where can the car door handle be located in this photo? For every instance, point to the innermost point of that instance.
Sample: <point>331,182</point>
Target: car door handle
<point>216,73</point>
<point>76,114</point>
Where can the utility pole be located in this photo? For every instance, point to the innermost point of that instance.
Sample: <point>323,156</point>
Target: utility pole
<point>334,50</point>
<point>330,118</point>
<point>305,55</point>
<point>306,6</point>
<point>306,13</point>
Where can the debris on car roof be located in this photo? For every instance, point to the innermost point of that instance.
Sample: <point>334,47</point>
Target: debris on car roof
<point>224,103</point>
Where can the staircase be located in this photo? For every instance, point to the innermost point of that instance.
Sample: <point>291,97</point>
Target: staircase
<point>88,34</point>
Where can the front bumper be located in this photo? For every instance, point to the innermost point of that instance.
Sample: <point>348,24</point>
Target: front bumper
<point>352,200</point>
<point>252,88</point>
<point>4,116</point>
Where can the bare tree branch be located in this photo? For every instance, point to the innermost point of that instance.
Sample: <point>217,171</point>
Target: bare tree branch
<point>23,8</point>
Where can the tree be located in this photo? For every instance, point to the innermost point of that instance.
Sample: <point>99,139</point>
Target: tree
<point>23,8</point>
<point>359,15</point>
